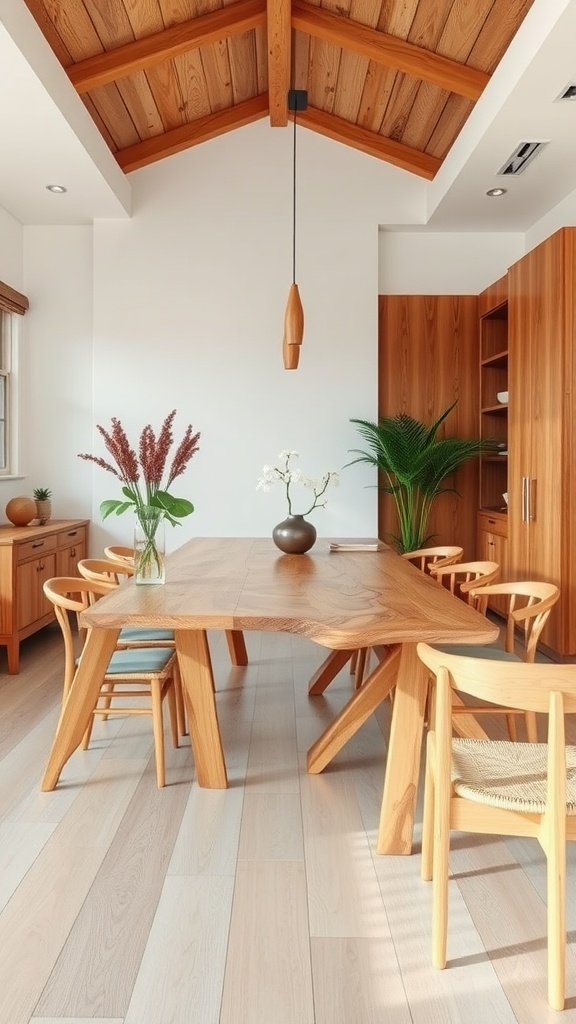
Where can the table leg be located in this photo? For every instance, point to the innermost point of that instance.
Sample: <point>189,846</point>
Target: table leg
<point>328,670</point>
<point>80,702</point>
<point>236,647</point>
<point>197,688</point>
<point>360,706</point>
<point>403,760</point>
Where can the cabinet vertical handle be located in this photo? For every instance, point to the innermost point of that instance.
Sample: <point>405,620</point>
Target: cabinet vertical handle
<point>524,499</point>
<point>531,500</point>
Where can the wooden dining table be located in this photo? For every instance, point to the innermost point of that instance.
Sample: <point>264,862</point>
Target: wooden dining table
<point>342,600</point>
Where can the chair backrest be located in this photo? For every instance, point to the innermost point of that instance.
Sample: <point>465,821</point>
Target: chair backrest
<point>511,684</point>
<point>119,553</point>
<point>529,606</point>
<point>437,556</point>
<point>464,577</point>
<point>72,594</point>
<point>104,570</point>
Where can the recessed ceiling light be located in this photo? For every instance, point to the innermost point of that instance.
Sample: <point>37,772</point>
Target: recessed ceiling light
<point>496,191</point>
<point>56,188</point>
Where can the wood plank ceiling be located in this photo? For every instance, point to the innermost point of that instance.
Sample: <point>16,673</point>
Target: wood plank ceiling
<point>394,78</point>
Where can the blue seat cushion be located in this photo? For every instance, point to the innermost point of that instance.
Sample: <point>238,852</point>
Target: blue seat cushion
<point>139,660</point>
<point>140,633</point>
<point>486,651</point>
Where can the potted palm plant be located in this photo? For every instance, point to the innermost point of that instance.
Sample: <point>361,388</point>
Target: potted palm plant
<point>414,464</point>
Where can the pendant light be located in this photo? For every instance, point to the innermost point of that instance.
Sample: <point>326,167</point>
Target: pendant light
<point>294,314</point>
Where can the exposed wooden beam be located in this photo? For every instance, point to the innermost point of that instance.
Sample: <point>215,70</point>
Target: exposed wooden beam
<point>279,60</point>
<point>145,53</point>
<point>389,50</point>
<point>204,128</point>
<point>369,142</point>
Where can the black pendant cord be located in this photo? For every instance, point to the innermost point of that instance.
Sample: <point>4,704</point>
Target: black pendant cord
<point>294,205</point>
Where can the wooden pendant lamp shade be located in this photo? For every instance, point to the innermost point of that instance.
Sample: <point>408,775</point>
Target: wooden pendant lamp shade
<point>294,314</point>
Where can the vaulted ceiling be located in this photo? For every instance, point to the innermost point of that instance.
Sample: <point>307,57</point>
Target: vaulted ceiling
<point>394,78</point>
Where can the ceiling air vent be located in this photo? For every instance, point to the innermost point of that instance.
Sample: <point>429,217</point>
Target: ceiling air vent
<point>522,156</point>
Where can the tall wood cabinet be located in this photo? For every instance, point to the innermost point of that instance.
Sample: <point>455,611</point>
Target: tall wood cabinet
<point>492,523</point>
<point>29,555</point>
<point>542,426</point>
<point>428,348</point>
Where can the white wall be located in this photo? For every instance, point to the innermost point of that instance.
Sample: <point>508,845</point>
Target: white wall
<point>11,250</point>
<point>434,263</point>
<point>58,420</point>
<point>189,300</point>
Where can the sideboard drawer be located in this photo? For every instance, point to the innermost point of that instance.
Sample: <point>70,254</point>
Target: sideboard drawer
<point>76,535</point>
<point>35,548</point>
<point>493,523</point>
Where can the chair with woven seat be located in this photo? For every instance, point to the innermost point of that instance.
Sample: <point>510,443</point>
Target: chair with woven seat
<point>439,556</point>
<point>529,607</point>
<point>463,577</point>
<point>500,787</point>
<point>147,672</point>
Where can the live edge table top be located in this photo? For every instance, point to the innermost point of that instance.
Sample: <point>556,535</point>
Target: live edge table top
<point>339,599</point>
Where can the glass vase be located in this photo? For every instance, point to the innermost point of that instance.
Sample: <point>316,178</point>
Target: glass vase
<point>149,547</point>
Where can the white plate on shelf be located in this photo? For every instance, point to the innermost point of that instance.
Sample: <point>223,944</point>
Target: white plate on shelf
<point>502,397</point>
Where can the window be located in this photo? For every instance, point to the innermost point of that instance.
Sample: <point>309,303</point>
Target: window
<point>5,396</point>
<point>12,306</point>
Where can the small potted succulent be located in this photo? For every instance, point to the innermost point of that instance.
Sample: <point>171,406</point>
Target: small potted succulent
<point>42,496</point>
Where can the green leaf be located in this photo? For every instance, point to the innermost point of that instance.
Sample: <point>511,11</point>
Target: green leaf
<point>109,506</point>
<point>413,464</point>
<point>178,507</point>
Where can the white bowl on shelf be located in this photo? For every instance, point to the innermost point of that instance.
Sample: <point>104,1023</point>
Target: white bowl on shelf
<point>502,397</point>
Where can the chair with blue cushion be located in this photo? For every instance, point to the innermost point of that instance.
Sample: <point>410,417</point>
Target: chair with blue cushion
<point>142,673</point>
<point>529,607</point>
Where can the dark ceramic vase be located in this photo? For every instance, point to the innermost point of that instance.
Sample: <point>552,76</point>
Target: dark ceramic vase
<point>294,535</point>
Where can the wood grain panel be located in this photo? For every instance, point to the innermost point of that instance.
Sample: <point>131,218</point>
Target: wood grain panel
<point>242,57</point>
<point>428,356</point>
<point>269,900</point>
<point>124,923</point>
<point>450,122</point>
<point>341,53</point>
<point>495,295</point>
<point>216,64</point>
<point>541,330</point>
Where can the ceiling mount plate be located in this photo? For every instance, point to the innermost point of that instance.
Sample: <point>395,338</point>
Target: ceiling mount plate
<point>297,100</point>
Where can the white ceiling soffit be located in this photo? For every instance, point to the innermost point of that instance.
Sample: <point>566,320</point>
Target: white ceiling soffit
<point>520,102</point>
<point>48,137</point>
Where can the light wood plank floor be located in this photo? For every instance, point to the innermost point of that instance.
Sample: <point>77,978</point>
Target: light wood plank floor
<point>267,902</point>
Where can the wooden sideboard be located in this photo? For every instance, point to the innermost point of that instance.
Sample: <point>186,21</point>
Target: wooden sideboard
<point>29,555</point>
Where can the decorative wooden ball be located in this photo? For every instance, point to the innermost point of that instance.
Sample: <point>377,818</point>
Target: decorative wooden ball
<point>21,511</point>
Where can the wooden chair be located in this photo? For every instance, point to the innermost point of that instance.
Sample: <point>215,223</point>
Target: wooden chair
<point>423,559</point>
<point>119,553</point>
<point>144,672</point>
<point>105,569</point>
<point>112,573</point>
<point>462,578</point>
<point>499,787</point>
<point>529,607</point>
<point>438,557</point>
<point>234,637</point>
